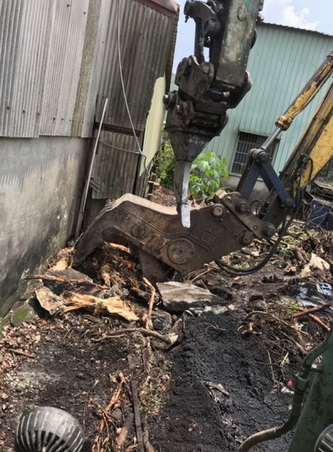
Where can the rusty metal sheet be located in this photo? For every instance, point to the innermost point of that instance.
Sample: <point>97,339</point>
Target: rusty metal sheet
<point>115,166</point>
<point>137,49</point>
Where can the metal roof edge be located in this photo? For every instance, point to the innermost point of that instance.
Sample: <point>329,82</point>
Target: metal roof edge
<point>287,27</point>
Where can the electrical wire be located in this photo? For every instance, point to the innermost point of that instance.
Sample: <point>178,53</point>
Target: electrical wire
<point>234,271</point>
<point>123,85</point>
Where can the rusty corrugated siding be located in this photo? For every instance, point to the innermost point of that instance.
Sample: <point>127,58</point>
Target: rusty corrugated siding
<point>137,46</point>
<point>143,44</point>
<point>115,166</point>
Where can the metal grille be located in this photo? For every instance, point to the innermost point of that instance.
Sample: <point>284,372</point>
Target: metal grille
<point>246,142</point>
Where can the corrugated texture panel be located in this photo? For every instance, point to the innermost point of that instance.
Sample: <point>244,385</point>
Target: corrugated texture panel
<point>115,166</point>
<point>67,33</point>
<point>145,36</point>
<point>281,62</point>
<point>23,33</point>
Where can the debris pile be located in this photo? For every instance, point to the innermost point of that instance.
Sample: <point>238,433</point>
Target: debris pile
<point>197,363</point>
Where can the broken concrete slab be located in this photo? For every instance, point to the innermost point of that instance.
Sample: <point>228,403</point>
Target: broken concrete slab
<point>180,297</point>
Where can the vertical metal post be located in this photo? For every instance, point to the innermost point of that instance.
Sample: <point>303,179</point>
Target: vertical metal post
<point>90,168</point>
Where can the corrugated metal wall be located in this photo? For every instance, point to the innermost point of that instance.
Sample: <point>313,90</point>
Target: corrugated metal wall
<point>41,53</point>
<point>66,40</point>
<point>280,63</point>
<point>61,59</point>
<point>138,41</point>
<point>137,50</point>
<point>115,166</point>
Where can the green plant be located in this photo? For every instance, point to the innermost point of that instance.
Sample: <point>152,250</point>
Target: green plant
<point>165,163</point>
<point>208,173</point>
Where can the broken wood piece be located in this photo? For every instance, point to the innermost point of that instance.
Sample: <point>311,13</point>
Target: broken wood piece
<point>311,310</point>
<point>170,339</point>
<point>49,301</point>
<point>200,275</point>
<point>105,415</point>
<point>138,426</point>
<point>64,259</point>
<point>145,437</point>
<point>320,322</point>
<point>151,302</point>
<point>112,305</point>
<point>20,352</point>
<point>105,274</point>
<point>54,276</point>
<point>249,330</point>
<point>71,301</point>
<point>124,432</point>
<point>120,247</point>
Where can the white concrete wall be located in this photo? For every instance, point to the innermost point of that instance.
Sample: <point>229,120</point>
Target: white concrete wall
<point>40,184</point>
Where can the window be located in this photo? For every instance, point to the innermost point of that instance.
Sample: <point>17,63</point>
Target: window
<point>246,142</point>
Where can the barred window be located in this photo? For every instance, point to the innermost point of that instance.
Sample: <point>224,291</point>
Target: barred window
<point>246,142</point>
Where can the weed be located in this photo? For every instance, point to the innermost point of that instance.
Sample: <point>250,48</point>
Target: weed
<point>208,173</point>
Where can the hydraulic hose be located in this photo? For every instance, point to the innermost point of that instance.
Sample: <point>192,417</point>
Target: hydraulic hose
<point>300,388</point>
<point>275,432</point>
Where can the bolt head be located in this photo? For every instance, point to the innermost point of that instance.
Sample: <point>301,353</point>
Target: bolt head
<point>138,231</point>
<point>217,210</point>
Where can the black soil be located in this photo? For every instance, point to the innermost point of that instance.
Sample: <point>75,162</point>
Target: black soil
<point>196,418</point>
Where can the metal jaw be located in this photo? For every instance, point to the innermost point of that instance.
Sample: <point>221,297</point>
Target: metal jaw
<point>157,231</point>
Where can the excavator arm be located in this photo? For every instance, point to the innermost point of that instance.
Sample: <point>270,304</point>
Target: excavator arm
<point>189,235</point>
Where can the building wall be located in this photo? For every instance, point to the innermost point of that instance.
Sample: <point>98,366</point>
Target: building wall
<point>280,63</point>
<point>60,61</point>
<point>40,184</point>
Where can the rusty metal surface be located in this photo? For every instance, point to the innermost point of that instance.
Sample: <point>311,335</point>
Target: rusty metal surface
<point>56,65</point>
<point>116,164</point>
<point>157,230</point>
<point>143,37</point>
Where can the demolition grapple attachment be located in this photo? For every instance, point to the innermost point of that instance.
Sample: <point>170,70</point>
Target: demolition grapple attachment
<point>157,231</point>
<point>197,111</point>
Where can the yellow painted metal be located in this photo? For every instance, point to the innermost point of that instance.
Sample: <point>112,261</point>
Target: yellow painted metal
<point>316,145</point>
<point>321,134</point>
<point>307,94</point>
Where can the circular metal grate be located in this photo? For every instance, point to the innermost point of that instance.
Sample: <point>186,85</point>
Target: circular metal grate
<point>48,429</point>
